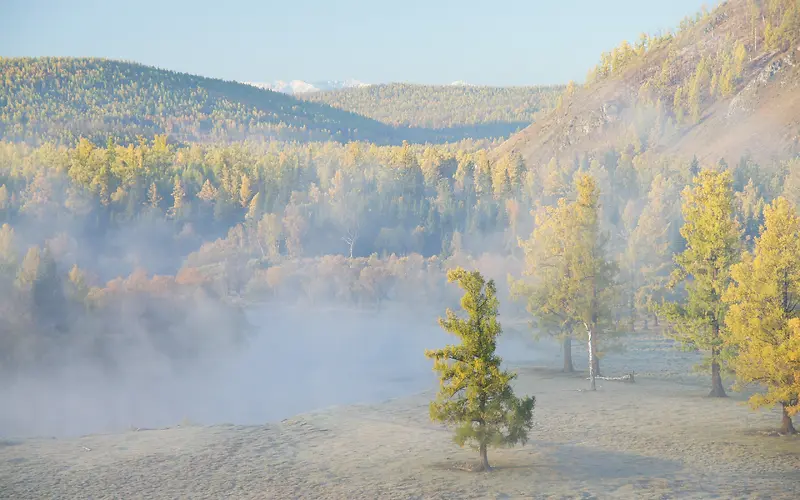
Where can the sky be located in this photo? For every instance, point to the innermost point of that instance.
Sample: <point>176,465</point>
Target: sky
<point>487,42</point>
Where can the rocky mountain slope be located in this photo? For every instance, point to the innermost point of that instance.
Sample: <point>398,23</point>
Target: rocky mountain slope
<point>724,85</point>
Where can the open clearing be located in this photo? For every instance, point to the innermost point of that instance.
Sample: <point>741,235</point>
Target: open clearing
<point>658,438</point>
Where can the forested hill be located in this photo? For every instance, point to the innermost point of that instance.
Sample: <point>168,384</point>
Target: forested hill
<point>61,99</point>
<point>724,84</point>
<point>487,111</point>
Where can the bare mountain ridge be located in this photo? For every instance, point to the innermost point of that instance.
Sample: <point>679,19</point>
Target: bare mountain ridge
<point>721,110</point>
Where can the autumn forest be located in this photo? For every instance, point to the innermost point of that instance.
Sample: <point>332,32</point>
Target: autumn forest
<point>138,204</point>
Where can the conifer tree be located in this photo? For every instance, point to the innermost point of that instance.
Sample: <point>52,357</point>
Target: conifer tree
<point>253,211</point>
<point>8,253</point>
<point>208,192</point>
<point>4,200</point>
<point>764,320</point>
<point>546,262</point>
<point>649,245</point>
<point>178,195</point>
<point>245,192</point>
<point>153,198</point>
<point>712,247</point>
<point>475,395</point>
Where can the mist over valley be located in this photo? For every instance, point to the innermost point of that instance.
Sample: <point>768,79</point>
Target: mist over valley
<point>338,290</point>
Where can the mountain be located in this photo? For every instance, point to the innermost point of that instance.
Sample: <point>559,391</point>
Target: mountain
<point>484,111</point>
<point>725,84</point>
<point>303,87</point>
<point>60,99</point>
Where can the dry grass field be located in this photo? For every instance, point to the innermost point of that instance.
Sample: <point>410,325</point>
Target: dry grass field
<point>657,438</point>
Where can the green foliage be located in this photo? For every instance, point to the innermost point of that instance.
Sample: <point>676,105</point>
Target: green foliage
<point>697,87</point>
<point>475,394</point>
<point>678,106</point>
<point>418,209</point>
<point>693,78</point>
<point>781,24</point>
<point>64,99</point>
<point>647,258</point>
<point>712,246</point>
<point>99,98</point>
<point>486,111</point>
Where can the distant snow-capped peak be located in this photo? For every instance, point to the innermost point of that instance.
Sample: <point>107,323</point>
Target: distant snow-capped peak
<point>301,87</point>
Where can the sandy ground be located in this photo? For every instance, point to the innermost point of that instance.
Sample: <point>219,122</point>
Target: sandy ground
<point>658,438</point>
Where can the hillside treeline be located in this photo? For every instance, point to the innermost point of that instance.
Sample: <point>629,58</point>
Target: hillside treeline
<point>142,232</point>
<point>445,106</point>
<point>265,204</point>
<point>61,99</point>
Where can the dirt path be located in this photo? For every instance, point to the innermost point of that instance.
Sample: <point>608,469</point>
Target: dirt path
<point>652,439</point>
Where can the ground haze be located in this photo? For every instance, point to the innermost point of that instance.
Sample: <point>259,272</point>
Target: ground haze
<point>657,438</point>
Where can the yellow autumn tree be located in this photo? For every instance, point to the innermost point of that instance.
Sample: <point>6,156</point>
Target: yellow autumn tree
<point>573,281</point>
<point>764,318</point>
<point>712,246</point>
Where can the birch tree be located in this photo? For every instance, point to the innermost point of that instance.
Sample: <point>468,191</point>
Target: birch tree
<point>573,279</point>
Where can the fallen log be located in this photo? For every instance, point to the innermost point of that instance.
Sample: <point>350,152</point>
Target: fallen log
<point>625,378</point>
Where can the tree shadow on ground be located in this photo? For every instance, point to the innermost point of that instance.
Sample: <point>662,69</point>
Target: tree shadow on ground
<point>578,463</point>
<point>586,464</point>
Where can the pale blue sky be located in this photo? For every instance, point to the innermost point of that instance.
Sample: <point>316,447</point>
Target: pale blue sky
<point>498,42</point>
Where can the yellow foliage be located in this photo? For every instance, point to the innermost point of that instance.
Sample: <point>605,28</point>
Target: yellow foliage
<point>763,321</point>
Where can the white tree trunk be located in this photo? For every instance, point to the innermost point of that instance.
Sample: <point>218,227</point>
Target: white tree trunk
<point>592,376</point>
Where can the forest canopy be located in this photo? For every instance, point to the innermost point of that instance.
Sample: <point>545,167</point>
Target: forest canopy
<point>498,111</point>
<point>62,99</point>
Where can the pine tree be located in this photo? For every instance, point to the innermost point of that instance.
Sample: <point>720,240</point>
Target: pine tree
<point>649,245</point>
<point>677,105</point>
<point>153,198</point>
<point>749,210</point>
<point>78,287</point>
<point>696,86</point>
<point>178,195</point>
<point>8,252</point>
<point>269,235</point>
<point>475,395</point>
<point>546,262</point>
<point>764,321</point>
<point>4,201</point>
<point>295,225</point>
<point>29,270</point>
<point>245,192</point>
<point>254,209</point>
<point>208,192</point>
<point>739,56</point>
<point>712,247</point>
